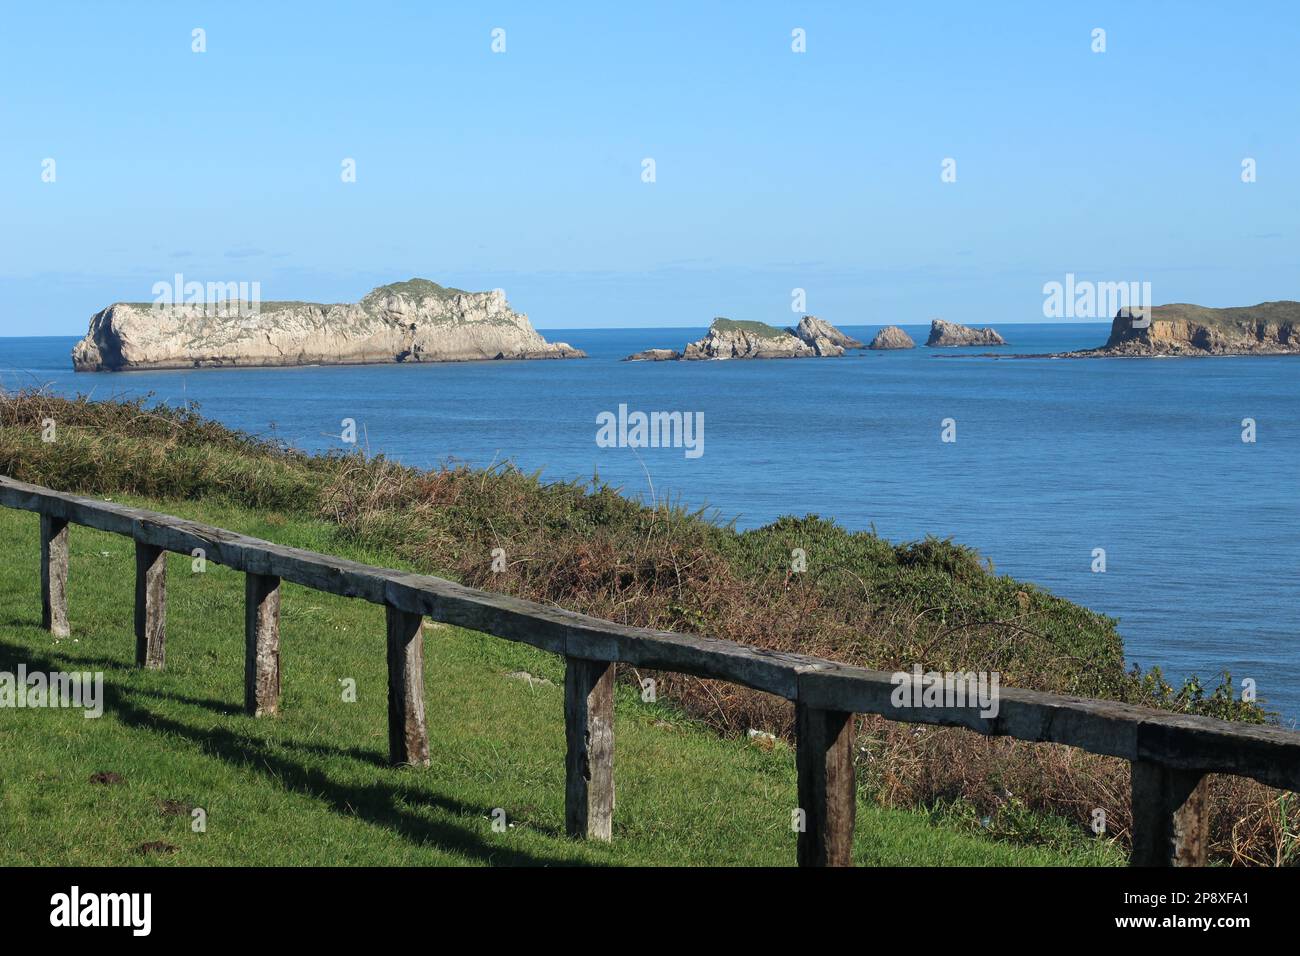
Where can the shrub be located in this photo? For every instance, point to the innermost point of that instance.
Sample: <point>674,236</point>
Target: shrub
<point>584,546</point>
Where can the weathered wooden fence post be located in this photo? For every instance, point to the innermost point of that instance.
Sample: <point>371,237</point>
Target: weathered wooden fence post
<point>408,738</point>
<point>589,760</point>
<point>54,575</point>
<point>150,606</point>
<point>261,644</point>
<point>828,792</point>
<point>1170,822</point>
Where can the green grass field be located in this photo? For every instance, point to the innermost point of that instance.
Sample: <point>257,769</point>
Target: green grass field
<point>311,787</point>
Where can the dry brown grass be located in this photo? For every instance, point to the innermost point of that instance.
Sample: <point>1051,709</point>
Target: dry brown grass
<point>671,576</point>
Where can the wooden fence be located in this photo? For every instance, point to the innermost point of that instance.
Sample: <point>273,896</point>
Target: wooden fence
<point>1170,754</point>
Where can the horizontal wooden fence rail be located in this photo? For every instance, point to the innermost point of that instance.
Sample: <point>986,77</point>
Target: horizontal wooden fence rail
<point>1170,754</point>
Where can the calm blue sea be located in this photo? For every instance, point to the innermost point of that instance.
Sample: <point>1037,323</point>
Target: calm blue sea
<point>1053,459</point>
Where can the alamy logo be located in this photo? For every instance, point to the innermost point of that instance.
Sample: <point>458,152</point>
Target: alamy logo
<point>215,299</point>
<point>82,690</point>
<point>946,689</point>
<point>103,909</point>
<point>653,430</point>
<point>1075,299</point>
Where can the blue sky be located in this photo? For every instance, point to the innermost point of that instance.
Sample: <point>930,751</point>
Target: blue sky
<point>774,169</point>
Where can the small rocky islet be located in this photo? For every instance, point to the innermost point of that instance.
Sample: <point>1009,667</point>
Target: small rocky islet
<point>1163,331</point>
<point>739,339</point>
<point>891,337</point>
<point>811,338</point>
<point>951,335</point>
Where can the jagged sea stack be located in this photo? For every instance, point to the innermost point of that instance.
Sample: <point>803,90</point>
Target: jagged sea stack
<point>811,328</point>
<point>891,337</point>
<point>950,334</point>
<point>413,321</point>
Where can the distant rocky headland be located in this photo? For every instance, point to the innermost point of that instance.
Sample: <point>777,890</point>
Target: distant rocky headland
<point>735,339</point>
<point>950,334</point>
<point>413,321</point>
<point>1180,329</point>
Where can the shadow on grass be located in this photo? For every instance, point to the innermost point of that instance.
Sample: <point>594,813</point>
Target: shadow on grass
<point>86,662</point>
<point>383,803</point>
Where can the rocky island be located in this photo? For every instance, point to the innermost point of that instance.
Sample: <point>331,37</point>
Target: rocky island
<point>950,334</point>
<point>1269,328</point>
<point>734,339</point>
<point>811,329</point>
<point>413,321</point>
<point>1182,330</point>
<point>654,355</point>
<point>891,337</point>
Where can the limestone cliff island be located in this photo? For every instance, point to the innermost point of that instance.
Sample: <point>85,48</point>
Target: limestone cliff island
<point>735,339</point>
<point>1181,329</point>
<point>413,321</point>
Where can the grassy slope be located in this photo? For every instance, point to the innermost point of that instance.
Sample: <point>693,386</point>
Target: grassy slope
<point>1280,311</point>
<point>761,329</point>
<point>311,786</point>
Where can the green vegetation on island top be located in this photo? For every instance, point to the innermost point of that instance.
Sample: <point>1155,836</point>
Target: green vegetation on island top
<point>411,288</point>
<point>1280,311</point>
<point>761,329</point>
<point>417,289</point>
